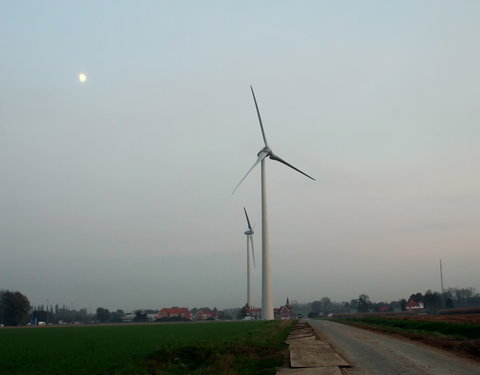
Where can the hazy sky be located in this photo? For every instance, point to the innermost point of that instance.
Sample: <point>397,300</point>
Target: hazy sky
<point>118,192</point>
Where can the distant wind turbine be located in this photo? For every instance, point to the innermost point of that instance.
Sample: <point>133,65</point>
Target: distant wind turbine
<point>249,233</point>
<point>267,303</point>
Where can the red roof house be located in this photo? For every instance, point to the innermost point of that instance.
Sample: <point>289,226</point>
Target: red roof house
<point>205,314</point>
<point>414,305</point>
<point>250,313</point>
<point>284,312</point>
<point>175,312</point>
<point>384,309</point>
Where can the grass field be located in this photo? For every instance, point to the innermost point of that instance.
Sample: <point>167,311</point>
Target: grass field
<point>192,348</point>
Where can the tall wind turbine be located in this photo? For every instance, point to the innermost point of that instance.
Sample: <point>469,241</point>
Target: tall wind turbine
<point>249,233</point>
<point>267,303</point>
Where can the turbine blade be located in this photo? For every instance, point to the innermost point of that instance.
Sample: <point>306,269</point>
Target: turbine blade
<point>253,251</point>
<point>248,221</point>
<point>259,117</point>
<point>275,157</point>
<point>262,155</point>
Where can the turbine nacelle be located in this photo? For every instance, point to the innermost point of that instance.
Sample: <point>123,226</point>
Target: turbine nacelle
<point>249,232</point>
<point>266,150</point>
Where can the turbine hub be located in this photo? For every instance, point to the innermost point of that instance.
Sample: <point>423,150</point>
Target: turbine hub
<point>266,149</point>
<point>248,232</point>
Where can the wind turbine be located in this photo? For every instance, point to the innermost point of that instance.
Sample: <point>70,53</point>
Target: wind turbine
<point>249,233</point>
<point>267,303</point>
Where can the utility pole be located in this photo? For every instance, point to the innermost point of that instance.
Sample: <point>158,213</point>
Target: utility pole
<point>441,284</point>
<point>441,276</point>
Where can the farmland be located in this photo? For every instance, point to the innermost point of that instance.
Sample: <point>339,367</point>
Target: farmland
<point>227,348</point>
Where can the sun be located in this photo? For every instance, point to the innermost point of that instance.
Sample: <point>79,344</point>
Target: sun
<point>82,77</point>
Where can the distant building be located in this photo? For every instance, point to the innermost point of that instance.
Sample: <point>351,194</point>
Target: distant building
<point>128,317</point>
<point>250,313</point>
<point>205,314</point>
<point>384,309</point>
<point>175,312</point>
<point>284,312</point>
<point>151,317</point>
<point>413,305</point>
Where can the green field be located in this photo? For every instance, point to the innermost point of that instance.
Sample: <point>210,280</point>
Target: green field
<point>191,348</point>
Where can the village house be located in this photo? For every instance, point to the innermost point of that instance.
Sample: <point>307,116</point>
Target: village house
<point>284,312</point>
<point>413,305</point>
<point>384,309</point>
<point>174,312</point>
<point>250,313</point>
<point>205,314</point>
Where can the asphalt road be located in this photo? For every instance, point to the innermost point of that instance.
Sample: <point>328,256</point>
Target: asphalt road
<point>372,353</point>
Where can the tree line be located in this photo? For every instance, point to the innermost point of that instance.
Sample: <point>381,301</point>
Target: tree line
<point>15,308</point>
<point>432,302</point>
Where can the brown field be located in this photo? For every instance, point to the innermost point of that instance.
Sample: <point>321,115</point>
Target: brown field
<point>454,318</point>
<point>468,348</point>
<point>449,318</point>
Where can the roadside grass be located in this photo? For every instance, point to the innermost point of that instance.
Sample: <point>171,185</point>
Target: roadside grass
<point>205,348</point>
<point>259,352</point>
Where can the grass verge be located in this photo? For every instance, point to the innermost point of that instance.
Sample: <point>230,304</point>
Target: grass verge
<point>258,352</point>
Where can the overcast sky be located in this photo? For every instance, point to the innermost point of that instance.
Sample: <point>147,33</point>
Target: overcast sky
<point>117,192</point>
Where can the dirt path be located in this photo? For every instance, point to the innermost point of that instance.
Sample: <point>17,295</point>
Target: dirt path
<point>372,353</point>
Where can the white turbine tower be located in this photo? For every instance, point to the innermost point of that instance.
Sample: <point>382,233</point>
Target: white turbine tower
<point>267,303</point>
<point>249,233</point>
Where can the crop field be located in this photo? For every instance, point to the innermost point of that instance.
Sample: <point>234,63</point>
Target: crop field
<point>193,348</point>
